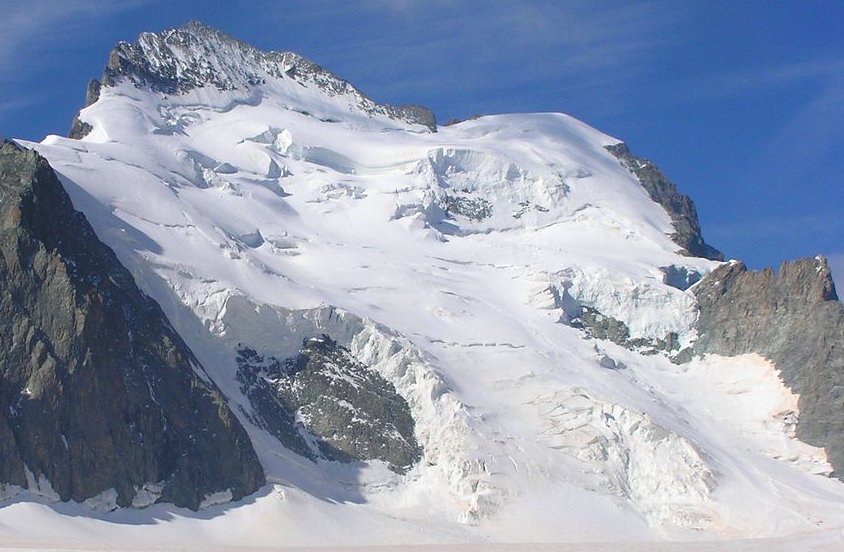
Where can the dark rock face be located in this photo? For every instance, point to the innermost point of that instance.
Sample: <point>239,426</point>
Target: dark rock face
<point>193,56</point>
<point>794,319</point>
<point>475,209</point>
<point>80,129</point>
<point>600,326</point>
<point>678,206</point>
<point>97,390</point>
<point>323,403</point>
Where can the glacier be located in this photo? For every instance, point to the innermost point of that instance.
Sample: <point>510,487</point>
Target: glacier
<point>261,208</point>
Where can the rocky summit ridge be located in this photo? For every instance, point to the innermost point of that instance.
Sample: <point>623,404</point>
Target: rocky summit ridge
<point>193,56</point>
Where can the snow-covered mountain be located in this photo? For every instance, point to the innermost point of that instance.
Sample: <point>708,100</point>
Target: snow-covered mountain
<point>487,331</point>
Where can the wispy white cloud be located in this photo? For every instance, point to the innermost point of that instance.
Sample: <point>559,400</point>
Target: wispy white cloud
<point>753,79</point>
<point>28,28</point>
<point>814,132</point>
<point>779,228</point>
<point>10,105</point>
<point>791,235</point>
<point>406,7</point>
<point>796,151</point>
<point>491,51</point>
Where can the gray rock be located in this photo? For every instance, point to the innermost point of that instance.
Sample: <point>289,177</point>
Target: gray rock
<point>600,326</point>
<point>79,129</point>
<point>679,207</point>
<point>606,361</point>
<point>527,206</point>
<point>473,208</point>
<point>97,390</point>
<point>258,377</point>
<point>175,61</point>
<point>794,319</point>
<point>323,403</point>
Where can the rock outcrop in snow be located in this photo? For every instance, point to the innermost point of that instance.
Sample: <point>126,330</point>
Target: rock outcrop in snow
<point>423,421</point>
<point>79,129</point>
<point>646,316</point>
<point>687,233</point>
<point>324,403</point>
<point>793,318</point>
<point>99,396</point>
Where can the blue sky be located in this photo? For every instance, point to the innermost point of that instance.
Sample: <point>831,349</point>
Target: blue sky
<point>741,103</point>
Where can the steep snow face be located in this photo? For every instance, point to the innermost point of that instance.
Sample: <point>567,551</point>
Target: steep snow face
<point>446,262</point>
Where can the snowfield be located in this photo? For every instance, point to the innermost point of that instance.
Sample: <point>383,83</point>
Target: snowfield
<point>448,262</point>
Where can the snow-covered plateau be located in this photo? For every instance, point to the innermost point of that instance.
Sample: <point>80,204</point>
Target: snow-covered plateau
<point>451,263</point>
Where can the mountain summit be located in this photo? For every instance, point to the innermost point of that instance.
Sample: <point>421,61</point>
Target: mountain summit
<point>442,336</point>
<point>194,56</point>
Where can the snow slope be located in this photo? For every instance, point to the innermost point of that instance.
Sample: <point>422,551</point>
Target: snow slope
<point>445,261</point>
